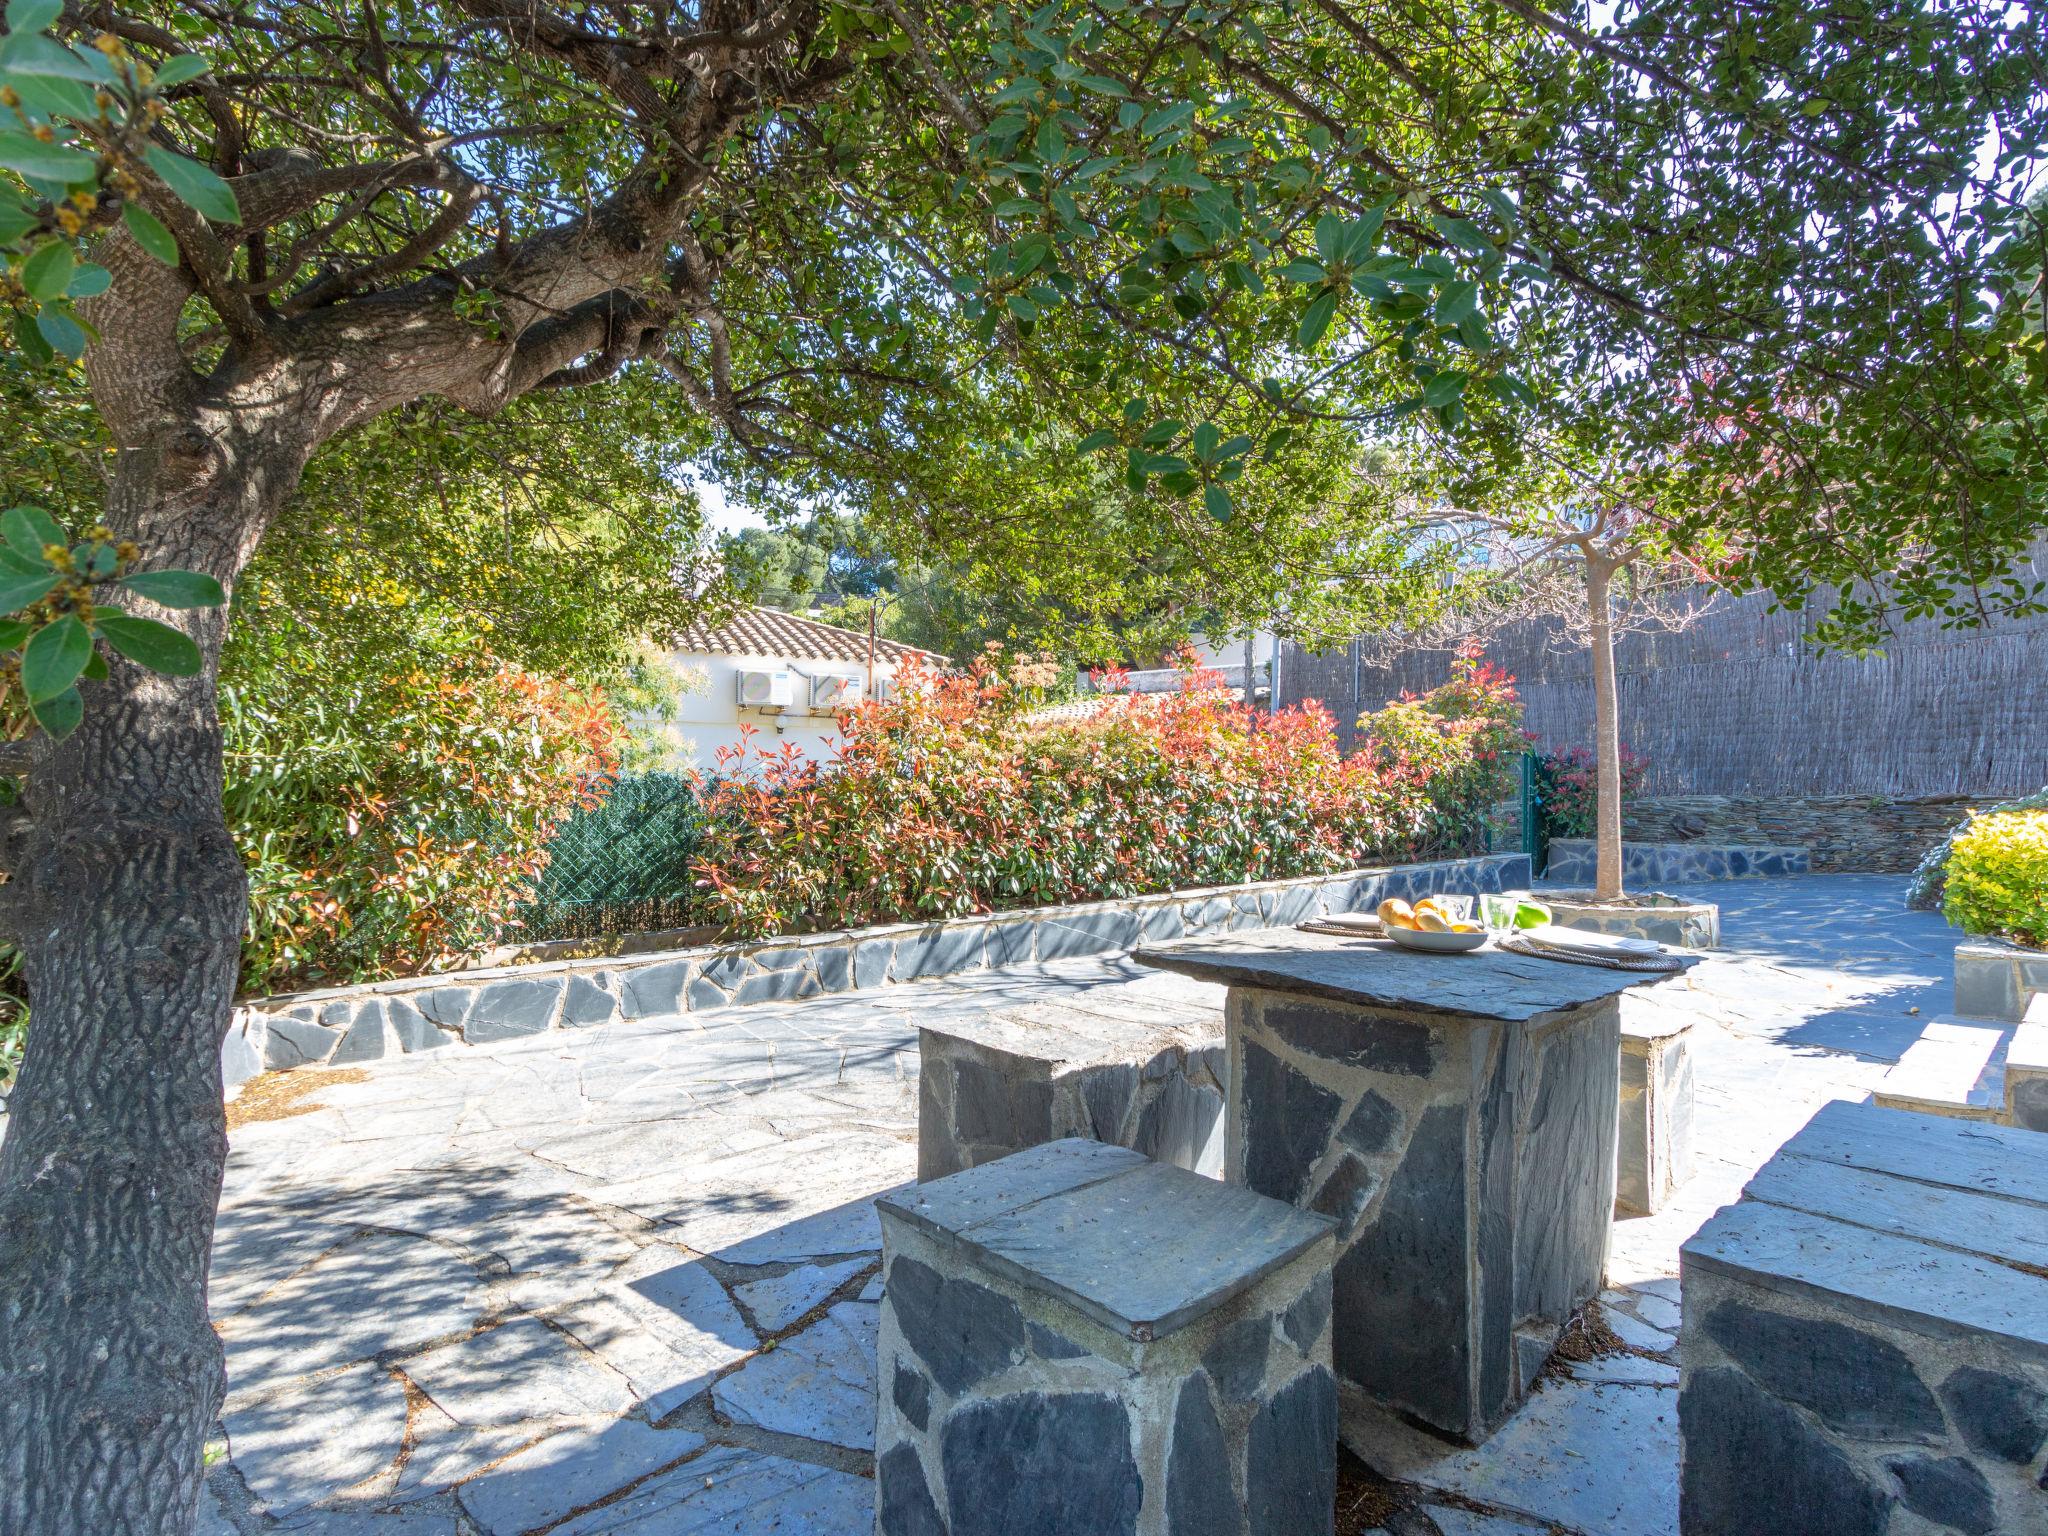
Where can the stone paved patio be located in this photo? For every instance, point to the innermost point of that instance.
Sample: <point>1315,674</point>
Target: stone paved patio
<point>624,1282</point>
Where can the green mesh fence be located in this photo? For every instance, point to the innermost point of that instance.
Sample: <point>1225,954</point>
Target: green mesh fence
<point>621,868</point>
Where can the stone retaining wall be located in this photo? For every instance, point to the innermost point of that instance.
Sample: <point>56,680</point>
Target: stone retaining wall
<point>1573,862</point>
<point>1862,833</point>
<point>344,1025</point>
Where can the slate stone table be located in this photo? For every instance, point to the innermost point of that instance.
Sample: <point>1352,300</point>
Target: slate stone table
<point>1076,1341</point>
<point>1456,1114</point>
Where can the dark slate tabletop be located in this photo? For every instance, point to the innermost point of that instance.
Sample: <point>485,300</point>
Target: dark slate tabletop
<point>1486,984</point>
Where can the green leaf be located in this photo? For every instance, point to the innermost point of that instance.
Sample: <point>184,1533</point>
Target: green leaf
<point>13,632</point>
<point>1456,300</point>
<point>1217,500</point>
<point>53,658</point>
<point>1304,271</point>
<point>26,54</point>
<point>179,68</point>
<point>30,339</point>
<point>195,185</point>
<point>32,15</point>
<point>44,162</point>
<point>50,98</point>
<point>59,716</point>
<point>14,563</point>
<point>18,591</point>
<point>1102,85</point>
<point>176,589</point>
<point>30,530</point>
<point>1050,144</point>
<point>1463,232</point>
<point>15,221</point>
<point>150,233</point>
<point>1330,237</point>
<point>1096,440</point>
<point>89,282</point>
<point>1444,387</point>
<point>1363,233</point>
<point>1021,307</point>
<point>1316,318</point>
<point>47,272</point>
<point>1207,436</point>
<point>61,331</point>
<point>155,646</point>
<point>95,668</point>
<point>1163,432</point>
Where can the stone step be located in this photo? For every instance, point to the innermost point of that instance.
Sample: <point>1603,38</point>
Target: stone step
<point>1953,1069</point>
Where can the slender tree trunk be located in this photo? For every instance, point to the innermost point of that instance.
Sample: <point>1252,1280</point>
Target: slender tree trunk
<point>1606,733</point>
<point>128,900</point>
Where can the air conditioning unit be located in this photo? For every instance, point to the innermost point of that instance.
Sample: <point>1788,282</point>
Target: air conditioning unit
<point>765,690</point>
<point>829,695</point>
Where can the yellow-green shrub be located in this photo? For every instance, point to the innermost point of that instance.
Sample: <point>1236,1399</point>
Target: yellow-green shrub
<point>1998,876</point>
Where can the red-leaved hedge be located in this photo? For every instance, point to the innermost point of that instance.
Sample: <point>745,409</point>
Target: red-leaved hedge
<point>948,798</point>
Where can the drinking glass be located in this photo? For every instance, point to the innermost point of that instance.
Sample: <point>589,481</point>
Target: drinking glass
<point>1498,913</point>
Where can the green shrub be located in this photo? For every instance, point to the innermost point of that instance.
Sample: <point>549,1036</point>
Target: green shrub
<point>1998,876</point>
<point>392,852</point>
<point>1459,744</point>
<point>1568,789</point>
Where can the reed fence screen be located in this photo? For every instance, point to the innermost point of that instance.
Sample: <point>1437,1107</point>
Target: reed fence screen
<point>1741,703</point>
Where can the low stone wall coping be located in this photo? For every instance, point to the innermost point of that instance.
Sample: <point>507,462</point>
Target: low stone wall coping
<point>344,1025</point>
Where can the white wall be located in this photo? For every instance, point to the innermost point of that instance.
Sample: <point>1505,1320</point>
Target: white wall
<point>709,716</point>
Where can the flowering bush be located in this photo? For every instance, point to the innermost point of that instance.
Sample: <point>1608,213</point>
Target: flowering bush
<point>394,858</point>
<point>947,799</point>
<point>1568,790</point>
<point>1458,745</point>
<point>1998,876</point>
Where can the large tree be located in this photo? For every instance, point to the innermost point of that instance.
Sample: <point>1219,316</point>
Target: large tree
<point>859,239</point>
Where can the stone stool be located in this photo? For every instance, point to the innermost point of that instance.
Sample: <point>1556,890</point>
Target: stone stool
<point>1865,1339</point>
<point>1655,1153</point>
<point>1137,1065</point>
<point>1075,1340</point>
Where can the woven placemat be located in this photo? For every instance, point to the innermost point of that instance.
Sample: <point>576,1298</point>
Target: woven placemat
<point>1343,930</point>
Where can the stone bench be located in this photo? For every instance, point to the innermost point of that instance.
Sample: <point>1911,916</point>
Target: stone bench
<point>1077,1340</point>
<point>1138,1065</point>
<point>1865,1335</point>
<point>1655,1152</point>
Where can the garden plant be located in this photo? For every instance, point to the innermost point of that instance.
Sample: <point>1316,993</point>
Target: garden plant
<point>948,799</point>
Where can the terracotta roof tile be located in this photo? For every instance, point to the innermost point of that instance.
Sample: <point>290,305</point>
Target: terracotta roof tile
<point>773,633</point>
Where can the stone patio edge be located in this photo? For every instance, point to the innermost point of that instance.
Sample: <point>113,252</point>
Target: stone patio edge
<point>341,1026</point>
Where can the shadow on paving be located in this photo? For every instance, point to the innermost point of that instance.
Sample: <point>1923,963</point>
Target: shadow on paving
<point>1783,940</point>
<point>459,1343</point>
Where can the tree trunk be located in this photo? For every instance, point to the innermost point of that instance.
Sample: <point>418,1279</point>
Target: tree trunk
<point>1606,734</point>
<point>128,898</point>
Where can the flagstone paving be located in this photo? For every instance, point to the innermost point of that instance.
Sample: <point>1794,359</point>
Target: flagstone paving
<point>624,1283</point>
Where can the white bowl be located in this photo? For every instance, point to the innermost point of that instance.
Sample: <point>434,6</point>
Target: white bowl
<point>1438,943</point>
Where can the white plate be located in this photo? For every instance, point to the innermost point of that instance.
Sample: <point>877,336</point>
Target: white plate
<point>1437,943</point>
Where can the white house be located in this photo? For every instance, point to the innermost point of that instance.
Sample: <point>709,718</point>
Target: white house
<point>786,676</point>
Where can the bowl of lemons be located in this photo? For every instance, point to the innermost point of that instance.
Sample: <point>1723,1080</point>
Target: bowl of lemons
<point>1437,925</point>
